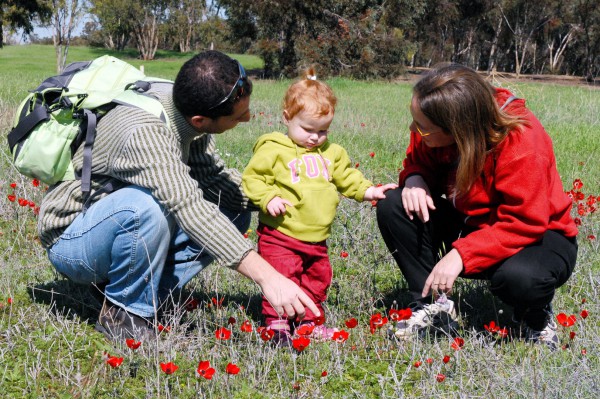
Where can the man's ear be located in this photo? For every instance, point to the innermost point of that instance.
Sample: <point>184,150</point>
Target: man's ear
<point>198,122</point>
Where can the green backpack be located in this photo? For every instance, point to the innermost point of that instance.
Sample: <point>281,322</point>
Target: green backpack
<point>62,113</point>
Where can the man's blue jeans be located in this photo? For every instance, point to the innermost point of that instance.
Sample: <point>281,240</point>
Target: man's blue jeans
<point>129,241</point>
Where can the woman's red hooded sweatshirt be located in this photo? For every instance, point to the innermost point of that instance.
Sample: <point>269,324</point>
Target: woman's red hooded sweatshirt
<point>517,199</point>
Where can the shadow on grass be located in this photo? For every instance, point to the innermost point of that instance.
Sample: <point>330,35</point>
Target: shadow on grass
<point>84,302</point>
<point>68,299</point>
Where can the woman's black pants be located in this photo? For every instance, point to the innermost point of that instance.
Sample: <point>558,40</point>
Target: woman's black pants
<point>527,280</point>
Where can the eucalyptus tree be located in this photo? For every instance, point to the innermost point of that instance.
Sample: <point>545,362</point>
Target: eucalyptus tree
<point>20,14</point>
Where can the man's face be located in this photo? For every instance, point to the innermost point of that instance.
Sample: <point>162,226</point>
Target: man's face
<point>241,113</point>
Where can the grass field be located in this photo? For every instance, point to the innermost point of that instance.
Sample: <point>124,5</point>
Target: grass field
<point>48,348</point>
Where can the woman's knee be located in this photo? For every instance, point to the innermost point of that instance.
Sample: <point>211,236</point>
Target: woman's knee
<point>523,286</point>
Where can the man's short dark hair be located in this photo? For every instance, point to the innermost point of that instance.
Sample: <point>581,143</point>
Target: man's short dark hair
<point>204,81</point>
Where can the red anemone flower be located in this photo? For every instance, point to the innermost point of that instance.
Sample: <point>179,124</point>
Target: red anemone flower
<point>417,364</point>
<point>446,359</point>
<point>320,320</point>
<point>305,330</point>
<point>204,370</point>
<point>372,154</point>
<point>440,377</point>
<point>266,334</point>
<point>503,332</point>
<point>114,361</point>
<point>223,333</point>
<point>169,368</point>
<point>231,320</point>
<point>132,343</point>
<point>458,343</point>
<point>340,336</point>
<point>192,305</point>
<point>584,314</point>
<point>344,254</point>
<point>566,321</point>
<point>351,323</point>
<point>232,369</point>
<point>246,326</point>
<point>492,327</point>
<point>13,185</point>
<point>300,343</point>
<point>11,197</point>
<point>377,321</point>
<point>324,373</point>
<point>217,303</point>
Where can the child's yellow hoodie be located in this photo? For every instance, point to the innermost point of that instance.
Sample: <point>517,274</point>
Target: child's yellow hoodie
<point>309,179</point>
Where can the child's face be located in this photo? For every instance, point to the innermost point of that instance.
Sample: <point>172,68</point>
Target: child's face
<point>307,130</point>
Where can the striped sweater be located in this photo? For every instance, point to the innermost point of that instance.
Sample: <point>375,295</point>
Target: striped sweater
<point>179,165</point>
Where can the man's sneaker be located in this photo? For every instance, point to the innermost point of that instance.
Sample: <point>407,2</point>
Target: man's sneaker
<point>439,316</point>
<point>283,336</point>
<point>547,336</point>
<point>118,324</point>
<point>317,332</point>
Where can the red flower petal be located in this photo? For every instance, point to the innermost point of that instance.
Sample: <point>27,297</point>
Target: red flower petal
<point>132,343</point>
<point>223,333</point>
<point>169,368</point>
<point>246,326</point>
<point>458,343</point>
<point>351,323</point>
<point>114,361</point>
<point>232,369</point>
<point>300,343</point>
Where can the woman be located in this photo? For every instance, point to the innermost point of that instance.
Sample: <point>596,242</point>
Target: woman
<point>479,188</point>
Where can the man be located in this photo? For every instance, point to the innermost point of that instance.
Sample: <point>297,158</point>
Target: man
<point>176,206</point>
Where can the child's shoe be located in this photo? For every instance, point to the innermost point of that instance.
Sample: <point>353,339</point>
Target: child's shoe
<point>283,336</point>
<point>317,332</point>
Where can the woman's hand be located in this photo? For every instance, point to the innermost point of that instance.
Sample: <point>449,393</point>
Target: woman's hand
<point>416,198</point>
<point>442,277</point>
<point>277,205</point>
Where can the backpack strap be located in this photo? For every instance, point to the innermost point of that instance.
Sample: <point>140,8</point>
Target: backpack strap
<point>27,124</point>
<point>90,120</point>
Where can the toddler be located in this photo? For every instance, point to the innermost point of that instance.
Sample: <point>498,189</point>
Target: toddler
<point>295,178</point>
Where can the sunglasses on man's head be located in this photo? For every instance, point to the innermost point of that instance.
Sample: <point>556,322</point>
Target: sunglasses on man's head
<point>238,88</point>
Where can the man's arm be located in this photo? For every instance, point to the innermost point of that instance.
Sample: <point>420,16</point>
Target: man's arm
<point>221,185</point>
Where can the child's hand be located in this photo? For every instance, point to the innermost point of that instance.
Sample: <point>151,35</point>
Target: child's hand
<point>378,192</point>
<point>277,205</point>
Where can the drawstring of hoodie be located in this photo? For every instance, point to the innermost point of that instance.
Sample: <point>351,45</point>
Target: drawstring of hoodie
<point>325,164</point>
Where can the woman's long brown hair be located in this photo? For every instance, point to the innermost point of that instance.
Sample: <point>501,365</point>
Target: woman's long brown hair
<point>462,103</point>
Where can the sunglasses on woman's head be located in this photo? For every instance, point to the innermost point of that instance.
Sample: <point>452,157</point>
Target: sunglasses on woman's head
<point>238,88</point>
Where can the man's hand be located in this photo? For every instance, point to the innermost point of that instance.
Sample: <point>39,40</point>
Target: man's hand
<point>443,275</point>
<point>416,198</point>
<point>282,293</point>
<point>277,205</point>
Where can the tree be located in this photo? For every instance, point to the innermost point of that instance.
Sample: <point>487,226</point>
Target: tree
<point>19,14</point>
<point>352,37</point>
<point>66,15</point>
<point>115,25</point>
<point>147,17</point>
<point>184,20</point>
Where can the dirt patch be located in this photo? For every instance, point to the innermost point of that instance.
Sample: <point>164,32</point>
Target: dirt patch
<point>412,74</point>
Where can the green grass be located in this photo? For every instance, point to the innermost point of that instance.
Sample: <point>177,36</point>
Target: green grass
<point>48,348</point>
